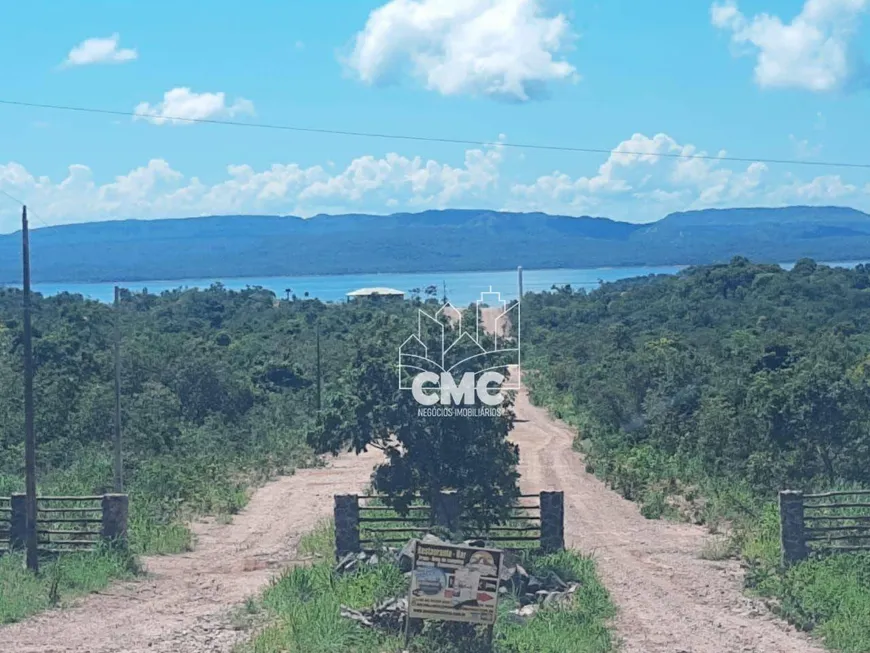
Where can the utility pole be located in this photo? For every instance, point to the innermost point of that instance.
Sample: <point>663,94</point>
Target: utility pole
<point>119,465</point>
<point>29,434</point>
<point>319,387</point>
<point>519,322</point>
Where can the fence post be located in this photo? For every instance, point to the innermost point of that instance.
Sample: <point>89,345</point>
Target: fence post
<point>18,522</point>
<point>792,534</point>
<point>447,511</point>
<point>115,510</point>
<point>552,521</point>
<point>346,515</point>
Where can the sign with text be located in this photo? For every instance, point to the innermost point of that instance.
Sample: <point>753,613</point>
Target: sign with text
<point>454,583</point>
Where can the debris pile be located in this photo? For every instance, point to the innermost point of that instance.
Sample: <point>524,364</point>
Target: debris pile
<point>388,615</point>
<point>354,561</point>
<point>531,592</point>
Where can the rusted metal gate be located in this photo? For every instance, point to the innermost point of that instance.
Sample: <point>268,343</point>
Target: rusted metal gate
<point>69,523</point>
<point>5,524</point>
<point>64,524</point>
<point>363,523</point>
<point>830,522</point>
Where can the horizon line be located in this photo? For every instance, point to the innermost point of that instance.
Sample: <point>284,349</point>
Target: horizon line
<point>504,212</point>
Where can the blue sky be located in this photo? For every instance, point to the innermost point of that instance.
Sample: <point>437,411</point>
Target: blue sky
<point>779,79</point>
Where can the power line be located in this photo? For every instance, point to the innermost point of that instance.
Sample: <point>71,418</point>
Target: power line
<point>12,197</point>
<point>30,212</point>
<point>433,139</point>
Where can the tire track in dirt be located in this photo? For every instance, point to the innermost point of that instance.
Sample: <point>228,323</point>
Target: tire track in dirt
<point>184,605</point>
<point>669,600</point>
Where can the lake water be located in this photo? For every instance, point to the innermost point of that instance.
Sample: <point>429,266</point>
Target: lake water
<point>462,287</point>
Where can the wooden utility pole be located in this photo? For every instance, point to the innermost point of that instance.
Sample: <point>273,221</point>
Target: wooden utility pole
<point>520,281</point>
<point>119,465</point>
<point>519,321</point>
<point>319,383</point>
<point>29,433</point>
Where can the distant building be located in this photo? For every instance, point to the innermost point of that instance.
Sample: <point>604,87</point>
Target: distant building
<point>375,294</point>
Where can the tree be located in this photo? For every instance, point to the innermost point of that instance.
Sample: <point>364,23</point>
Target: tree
<point>425,455</point>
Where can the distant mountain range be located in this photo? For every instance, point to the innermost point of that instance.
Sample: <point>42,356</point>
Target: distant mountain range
<point>449,240</point>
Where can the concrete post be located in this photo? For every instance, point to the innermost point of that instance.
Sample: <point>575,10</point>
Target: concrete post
<point>791,518</point>
<point>18,522</point>
<point>552,521</point>
<point>115,511</point>
<point>346,515</point>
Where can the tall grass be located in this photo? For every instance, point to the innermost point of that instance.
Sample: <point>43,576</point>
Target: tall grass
<point>23,593</point>
<point>163,498</point>
<point>303,610</point>
<point>829,595</point>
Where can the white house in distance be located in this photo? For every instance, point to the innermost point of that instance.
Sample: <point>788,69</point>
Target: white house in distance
<point>378,294</point>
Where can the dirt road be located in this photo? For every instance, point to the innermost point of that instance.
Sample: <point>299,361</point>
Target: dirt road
<point>669,600</point>
<point>184,606</point>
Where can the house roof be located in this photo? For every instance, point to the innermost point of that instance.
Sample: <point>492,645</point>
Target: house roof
<point>367,292</point>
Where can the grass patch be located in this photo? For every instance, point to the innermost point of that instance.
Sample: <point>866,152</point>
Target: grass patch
<point>320,542</point>
<point>717,548</point>
<point>303,611</point>
<point>157,525</point>
<point>829,596</point>
<point>23,594</point>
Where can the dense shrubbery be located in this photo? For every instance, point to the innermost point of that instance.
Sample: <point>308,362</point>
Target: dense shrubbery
<point>715,388</point>
<point>741,371</point>
<point>218,389</point>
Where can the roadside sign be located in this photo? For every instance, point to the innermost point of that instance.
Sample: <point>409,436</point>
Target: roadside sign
<point>454,583</point>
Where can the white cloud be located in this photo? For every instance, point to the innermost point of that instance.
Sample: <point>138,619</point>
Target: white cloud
<point>827,188</point>
<point>99,50</point>
<point>507,49</point>
<point>815,51</point>
<point>181,105</point>
<point>636,182</point>
<point>639,184</point>
<point>157,190</point>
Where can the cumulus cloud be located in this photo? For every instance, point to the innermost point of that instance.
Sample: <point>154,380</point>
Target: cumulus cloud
<point>506,49</point>
<point>157,190</point>
<point>642,179</point>
<point>647,177</point>
<point>99,50</point>
<point>182,105</point>
<point>815,51</point>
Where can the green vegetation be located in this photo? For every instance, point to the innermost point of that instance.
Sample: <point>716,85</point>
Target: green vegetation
<point>302,609</point>
<point>22,593</point>
<point>701,395</point>
<point>425,455</point>
<point>218,393</point>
